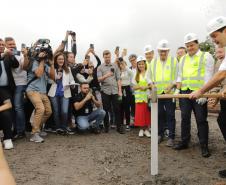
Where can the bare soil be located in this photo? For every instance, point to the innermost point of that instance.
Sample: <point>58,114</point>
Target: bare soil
<point>114,159</point>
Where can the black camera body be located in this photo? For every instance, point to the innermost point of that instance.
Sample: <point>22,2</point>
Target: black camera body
<point>15,52</point>
<point>42,45</point>
<point>72,33</point>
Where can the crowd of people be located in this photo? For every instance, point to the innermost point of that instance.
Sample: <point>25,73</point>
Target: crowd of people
<point>43,91</point>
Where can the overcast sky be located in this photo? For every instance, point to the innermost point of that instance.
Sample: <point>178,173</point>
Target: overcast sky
<point>108,23</point>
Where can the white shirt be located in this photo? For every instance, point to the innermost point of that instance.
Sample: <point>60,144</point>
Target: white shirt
<point>20,75</point>
<point>223,63</point>
<point>209,70</point>
<point>126,77</point>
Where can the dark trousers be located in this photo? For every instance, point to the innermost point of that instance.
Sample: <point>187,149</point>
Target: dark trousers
<point>107,101</point>
<point>166,117</point>
<point>200,112</point>
<point>222,118</point>
<point>126,101</point>
<point>132,106</point>
<point>6,123</point>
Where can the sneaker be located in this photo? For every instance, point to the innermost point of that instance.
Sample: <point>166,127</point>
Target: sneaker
<point>8,144</point>
<point>113,126</point>
<point>170,143</point>
<point>70,131</point>
<point>43,134</point>
<point>141,133</point>
<point>50,130</point>
<point>36,138</point>
<point>121,129</point>
<point>147,133</point>
<point>96,130</point>
<point>19,136</point>
<point>61,131</point>
<point>166,133</point>
<point>127,128</point>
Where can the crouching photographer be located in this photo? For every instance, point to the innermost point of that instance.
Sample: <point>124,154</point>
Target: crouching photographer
<point>83,108</point>
<point>42,68</point>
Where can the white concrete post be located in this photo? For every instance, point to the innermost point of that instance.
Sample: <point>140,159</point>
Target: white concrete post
<point>154,133</point>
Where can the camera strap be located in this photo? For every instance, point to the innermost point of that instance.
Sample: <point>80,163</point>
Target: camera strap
<point>32,80</point>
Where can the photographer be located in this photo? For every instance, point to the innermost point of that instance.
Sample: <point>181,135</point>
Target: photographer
<point>20,78</point>
<point>94,84</point>
<point>111,92</point>
<point>83,107</point>
<point>42,68</point>
<point>126,77</point>
<point>7,86</point>
<point>60,93</point>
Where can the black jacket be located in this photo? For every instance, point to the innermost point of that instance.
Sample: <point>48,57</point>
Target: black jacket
<point>10,62</point>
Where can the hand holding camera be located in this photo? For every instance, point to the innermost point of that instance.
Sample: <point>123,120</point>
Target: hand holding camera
<point>110,73</point>
<point>88,96</point>
<point>117,51</point>
<point>90,71</point>
<point>8,52</point>
<point>42,55</point>
<point>124,52</point>
<point>73,34</point>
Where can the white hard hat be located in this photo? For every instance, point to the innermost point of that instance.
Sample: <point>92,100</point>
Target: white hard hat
<point>148,48</point>
<point>190,37</point>
<point>163,45</point>
<point>216,24</point>
<point>140,58</point>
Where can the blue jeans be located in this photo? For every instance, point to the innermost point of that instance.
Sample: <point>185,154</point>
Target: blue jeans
<point>84,121</point>
<point>60,107</point>
<point>166,115</point>
<point>19,108</point>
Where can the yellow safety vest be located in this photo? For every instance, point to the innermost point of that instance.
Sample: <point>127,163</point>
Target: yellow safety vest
<point>163,74</point>
<point>193,72</point>
<point>140,95</point>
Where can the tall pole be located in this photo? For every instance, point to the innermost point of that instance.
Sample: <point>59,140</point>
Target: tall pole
<point>154,132</point>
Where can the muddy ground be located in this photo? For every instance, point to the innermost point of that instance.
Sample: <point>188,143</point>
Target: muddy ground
<point>114,159</point>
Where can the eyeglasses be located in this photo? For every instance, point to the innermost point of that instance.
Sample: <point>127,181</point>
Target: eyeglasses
<point>91,66</point>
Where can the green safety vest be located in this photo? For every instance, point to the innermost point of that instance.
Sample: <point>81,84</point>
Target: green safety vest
<point>193,72</point>
<point>140,95</point>
<point>163,75</point>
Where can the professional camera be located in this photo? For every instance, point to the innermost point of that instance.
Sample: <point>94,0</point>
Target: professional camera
<point>15,52</point>
<point>42,45</point>
<point>72,33</point>
<point>120,59</point>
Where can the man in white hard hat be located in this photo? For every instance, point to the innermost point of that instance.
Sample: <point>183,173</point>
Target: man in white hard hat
<point>149,54</point>
<point>162,71</point>
<point>196,68</point>
<point>216,28</point>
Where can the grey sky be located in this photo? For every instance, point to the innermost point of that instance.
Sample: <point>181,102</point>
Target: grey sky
<point>128,23</point>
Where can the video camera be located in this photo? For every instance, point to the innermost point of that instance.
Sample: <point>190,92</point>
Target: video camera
<point>42,45</point>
